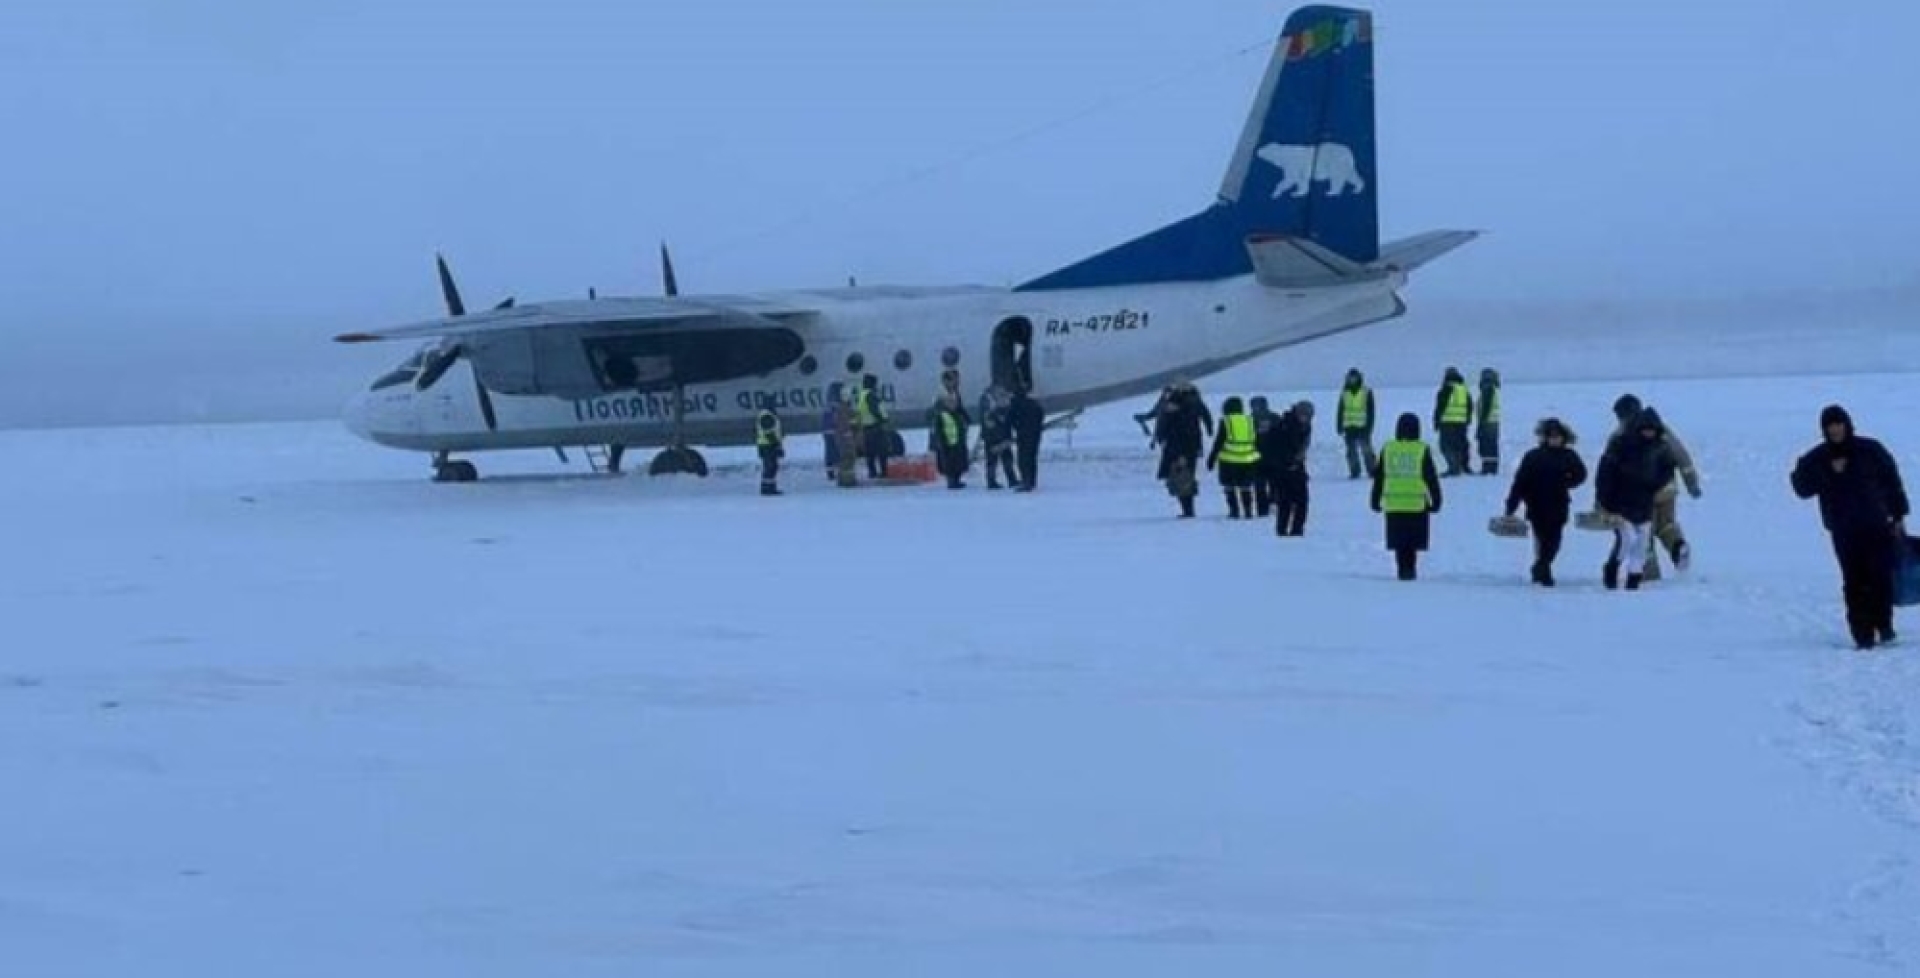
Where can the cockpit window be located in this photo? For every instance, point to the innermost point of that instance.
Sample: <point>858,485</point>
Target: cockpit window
<point>403,374</point>
<point>436,367</point>
<point>393,378</point>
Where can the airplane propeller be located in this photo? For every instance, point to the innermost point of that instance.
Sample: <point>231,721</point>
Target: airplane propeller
<point>456,308</point>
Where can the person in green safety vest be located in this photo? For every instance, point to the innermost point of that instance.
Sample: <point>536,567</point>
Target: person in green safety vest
<point>1355,420</point>
<point>1406,488</point>
<point>1487,433</point>
<point>767,439</point>
<point>871,417</point>
<point>1236,453</point>
<point>1452,415</point>
<point>947,437</point>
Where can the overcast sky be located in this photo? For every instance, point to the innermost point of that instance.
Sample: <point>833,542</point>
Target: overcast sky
<point>203,182</point>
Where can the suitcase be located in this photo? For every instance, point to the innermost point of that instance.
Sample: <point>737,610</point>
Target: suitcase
<point>1510,527</point>
<point>1906,573</point>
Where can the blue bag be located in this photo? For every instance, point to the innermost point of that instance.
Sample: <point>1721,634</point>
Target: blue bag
<point>1906,573</point>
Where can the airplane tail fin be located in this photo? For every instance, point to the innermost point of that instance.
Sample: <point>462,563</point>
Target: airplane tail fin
<point>1304,168</point>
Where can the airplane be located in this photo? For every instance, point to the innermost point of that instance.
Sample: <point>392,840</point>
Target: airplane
<point>1288,253</point>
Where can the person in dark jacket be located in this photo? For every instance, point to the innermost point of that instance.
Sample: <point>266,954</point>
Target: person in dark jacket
<point>1028,420</point>
<point>1179,432</point>
<point>1406,487</point>
<point>1636,466</point>
<point>1486,434</point>
<point>996,438</point>
<point>1864,506</point>
<point>1355,421</point>
<point>1147,418</point>
<point>1283,455</point>
<point>1452,414</point>
<point>1544,484</point>
<point>1263,420</point>
<point>947,439</point>
<point>1236,453</point>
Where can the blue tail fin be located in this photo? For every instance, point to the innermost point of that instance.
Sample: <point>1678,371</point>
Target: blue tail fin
<point>1304,168</point>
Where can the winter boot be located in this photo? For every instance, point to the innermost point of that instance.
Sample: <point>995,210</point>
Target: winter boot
<point>1610,575</point>
<point>1887,635</point>
<point>1407,563</point>
<point>1538,574</point>
<point>1186,507</point>
<point>1633,582</point>
<point>1682,556</point>
<point>770,490</point>
<point>1233,505</point>
<point>1489,466</point>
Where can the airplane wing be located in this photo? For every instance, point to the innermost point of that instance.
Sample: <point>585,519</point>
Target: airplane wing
<point>598,316</point>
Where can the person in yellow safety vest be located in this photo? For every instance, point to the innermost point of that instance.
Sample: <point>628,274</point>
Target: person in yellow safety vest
<point>1452,414</point>
<point>1237,454</point>
<point>767,438</point>
<point>1487,433</point>
<point>949,439</point>
<point>1407,489</point>
<point>871,416</point>
<point>1355,420</point>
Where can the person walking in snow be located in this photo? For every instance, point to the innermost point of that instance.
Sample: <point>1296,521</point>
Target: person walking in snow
<point>947,439</point>
<point>996,438</point>
<point>1452,414</point>
<point>771,446</point>
<point>1283,454</point>
<point>1864,506</point>
<point>1487,432</point>
<point>1355,420</point>
<point>1406,487</point>
<point>1666,504</point>
<point>1544,484</point>
<point>1237,456</point>
<point>1635,467</point>
<point>1180,434</point>
<point>1029,421</point>
<point>1263,421</point>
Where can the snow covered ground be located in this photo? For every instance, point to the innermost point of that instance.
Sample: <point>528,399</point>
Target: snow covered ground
<point>270,703</point>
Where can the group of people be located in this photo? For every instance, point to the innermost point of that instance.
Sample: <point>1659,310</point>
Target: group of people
<point>1260,457</point>
<point>856,426</point>
<point>1259,454</point>
<point>1011,423</point>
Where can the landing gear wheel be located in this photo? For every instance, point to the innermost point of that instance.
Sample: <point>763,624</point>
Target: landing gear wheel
<point>445,471</point>
<point>677,461</point>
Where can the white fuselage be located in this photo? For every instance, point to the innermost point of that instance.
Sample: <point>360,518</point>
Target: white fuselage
<point>1088,347</point>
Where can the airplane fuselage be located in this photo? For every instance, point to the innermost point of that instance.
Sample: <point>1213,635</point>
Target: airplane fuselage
<point>1085,347</point>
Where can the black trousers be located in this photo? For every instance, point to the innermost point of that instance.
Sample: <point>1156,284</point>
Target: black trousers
<point>1547,538</point>
<point>1487,437</point>
<point>1454,448</point>
<point>1029,452</point>
<point>769,467</point>
<point>1360,460</point>
<point>874,447</point>
<point>1290,498</point>
<point>1866,575</point>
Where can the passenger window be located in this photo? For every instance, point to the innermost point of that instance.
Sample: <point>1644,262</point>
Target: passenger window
<point>856,363</point>
<point>903,361</point>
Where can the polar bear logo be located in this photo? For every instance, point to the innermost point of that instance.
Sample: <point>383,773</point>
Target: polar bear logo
<point>1303,166</point>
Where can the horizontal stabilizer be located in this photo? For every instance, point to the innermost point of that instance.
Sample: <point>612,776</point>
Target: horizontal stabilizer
<point>1285,262</point>
<point>1407,254</point>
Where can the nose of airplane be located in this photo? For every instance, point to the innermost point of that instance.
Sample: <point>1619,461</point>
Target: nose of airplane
<point>358,416</point>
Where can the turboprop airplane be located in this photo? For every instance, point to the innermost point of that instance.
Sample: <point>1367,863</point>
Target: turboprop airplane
<point>1289,252</point>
